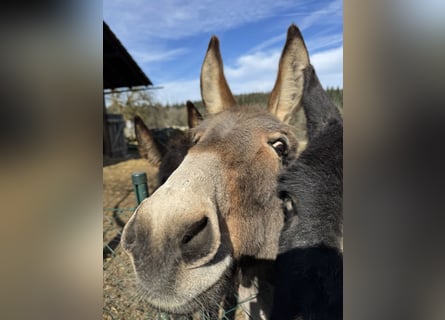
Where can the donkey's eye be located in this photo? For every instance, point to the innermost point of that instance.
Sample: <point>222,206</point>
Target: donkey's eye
<point>280,147</point>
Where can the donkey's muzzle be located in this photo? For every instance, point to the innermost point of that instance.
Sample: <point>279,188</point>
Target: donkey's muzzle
<point>191,240</point>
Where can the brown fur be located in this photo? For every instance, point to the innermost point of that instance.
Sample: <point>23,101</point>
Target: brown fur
<point>214,88</point>
<point>194,118</point>
<point>216,221</point>
<point>240,138</point>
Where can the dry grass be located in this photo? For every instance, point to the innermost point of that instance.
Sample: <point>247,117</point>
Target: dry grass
<point>120,301</point>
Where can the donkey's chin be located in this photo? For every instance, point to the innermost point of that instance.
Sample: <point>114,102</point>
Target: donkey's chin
<point>193,289</point>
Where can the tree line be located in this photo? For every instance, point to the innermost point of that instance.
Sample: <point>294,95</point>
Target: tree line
<point>157,115</point>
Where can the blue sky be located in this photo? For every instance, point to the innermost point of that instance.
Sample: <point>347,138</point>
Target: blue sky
<point>169,38</point>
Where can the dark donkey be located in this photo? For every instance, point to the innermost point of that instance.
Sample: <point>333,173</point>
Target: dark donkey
<point>165,148</point>
<point>204,233</point>
<point>309,267</point>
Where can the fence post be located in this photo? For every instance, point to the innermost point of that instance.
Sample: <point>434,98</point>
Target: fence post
<point>140,186</point>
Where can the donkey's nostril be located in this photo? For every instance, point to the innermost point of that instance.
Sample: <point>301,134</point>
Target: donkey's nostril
<point>197,241</point>
<point>186,239</point>
<point>194,230</point>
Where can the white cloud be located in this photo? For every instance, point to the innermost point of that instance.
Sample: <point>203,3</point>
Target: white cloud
<point>173,19</point>
<point>253,72</point>
<point>257,73</point>
<point>269,42</point>
<point>331,12</point>
<point>148,56</point>
<point>329,67</point>
<point>146,28</point>
<point>315,43</point>
<point>178,91</point>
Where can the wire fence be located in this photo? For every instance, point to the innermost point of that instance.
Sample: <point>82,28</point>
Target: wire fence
<point>120,298</point>
<point>117,220</point>
<point>114,225</point>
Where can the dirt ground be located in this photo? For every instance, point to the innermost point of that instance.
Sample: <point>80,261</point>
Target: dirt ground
<point>120,300</point>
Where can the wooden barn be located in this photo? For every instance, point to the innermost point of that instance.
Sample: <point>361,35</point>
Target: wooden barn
<point>121,72</point>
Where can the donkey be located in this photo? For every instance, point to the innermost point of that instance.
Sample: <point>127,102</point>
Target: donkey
<point>309,267</point>
<point>212,229</point>
<point>166,148</point>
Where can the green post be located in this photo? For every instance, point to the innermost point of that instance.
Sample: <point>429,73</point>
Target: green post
<point>140,186</point>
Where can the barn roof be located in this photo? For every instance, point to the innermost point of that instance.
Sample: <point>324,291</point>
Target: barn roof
<point>120,69</point>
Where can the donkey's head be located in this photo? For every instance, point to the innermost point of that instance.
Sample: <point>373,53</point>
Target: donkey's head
<point>221,203</point>
<point>165,148</point>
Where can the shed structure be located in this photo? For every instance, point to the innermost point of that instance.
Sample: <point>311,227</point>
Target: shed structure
<point>120,72</point>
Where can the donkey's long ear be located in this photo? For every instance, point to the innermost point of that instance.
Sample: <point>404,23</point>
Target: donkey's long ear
<point>147,147</point>
<point>215,91</point>
<point>193,115</point>
<point>285,98</point>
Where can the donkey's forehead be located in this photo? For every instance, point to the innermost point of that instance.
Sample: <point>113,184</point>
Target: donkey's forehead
<point>242,121</point>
